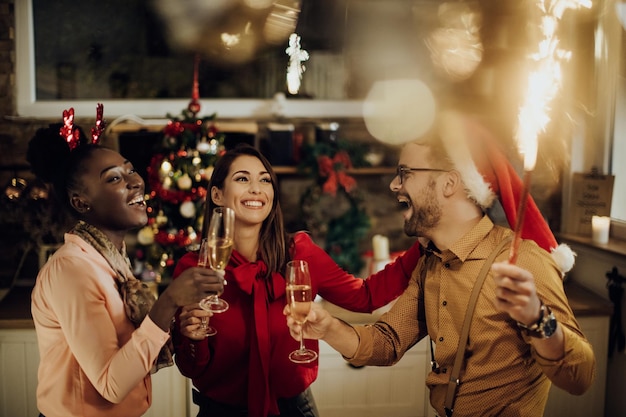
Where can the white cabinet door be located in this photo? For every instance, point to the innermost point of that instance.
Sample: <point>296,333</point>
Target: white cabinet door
<point>19,359</point>
<point>169,394</point>
<point>393,391</point>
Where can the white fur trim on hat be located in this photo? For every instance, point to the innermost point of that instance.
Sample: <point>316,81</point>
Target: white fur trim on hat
<point>453,132</point>
<point>564,257</point>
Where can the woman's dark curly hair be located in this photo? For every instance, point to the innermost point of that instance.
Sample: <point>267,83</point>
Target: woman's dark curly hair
<point>52,161</point>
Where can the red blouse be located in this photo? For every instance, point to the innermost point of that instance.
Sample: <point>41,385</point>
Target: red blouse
<point>246,364</point>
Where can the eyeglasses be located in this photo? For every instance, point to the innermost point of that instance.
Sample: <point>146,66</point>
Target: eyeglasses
<point>400,171</point>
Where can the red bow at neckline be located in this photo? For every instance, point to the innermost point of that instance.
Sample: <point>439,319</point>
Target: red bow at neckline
<point>335,169</point>
<point>250,277</point>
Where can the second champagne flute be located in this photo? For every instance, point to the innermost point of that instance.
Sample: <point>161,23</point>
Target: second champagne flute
<point>220,239</point>
<point>299,298</point>
<point>203,261</point>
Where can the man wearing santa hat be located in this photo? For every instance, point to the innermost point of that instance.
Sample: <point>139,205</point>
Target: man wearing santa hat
<point>520,335</point>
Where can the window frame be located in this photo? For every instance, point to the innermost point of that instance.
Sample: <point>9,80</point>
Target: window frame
<point>29,106</point>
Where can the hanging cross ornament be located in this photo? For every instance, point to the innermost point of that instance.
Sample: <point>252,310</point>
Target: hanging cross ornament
<point>297,56</point>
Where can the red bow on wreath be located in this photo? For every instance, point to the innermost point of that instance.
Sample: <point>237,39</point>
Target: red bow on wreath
<point>335,169</point>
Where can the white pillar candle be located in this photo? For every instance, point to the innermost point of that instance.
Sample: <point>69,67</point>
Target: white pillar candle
<point>380,244</point>
<point>600,229</point>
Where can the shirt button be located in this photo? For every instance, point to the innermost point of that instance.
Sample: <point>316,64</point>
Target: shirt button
<point>445,303</point>
<point>444,370</point>
<point>446,265</point>
<point>441,339</point>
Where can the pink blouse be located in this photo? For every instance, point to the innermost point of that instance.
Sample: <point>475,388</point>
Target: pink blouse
<point>93,361</point>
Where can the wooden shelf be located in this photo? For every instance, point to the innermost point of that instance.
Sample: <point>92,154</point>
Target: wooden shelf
<point>291,170</point>
<point>615,246</point>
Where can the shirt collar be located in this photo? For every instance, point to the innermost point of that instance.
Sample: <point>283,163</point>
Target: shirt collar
<point>467,246</point>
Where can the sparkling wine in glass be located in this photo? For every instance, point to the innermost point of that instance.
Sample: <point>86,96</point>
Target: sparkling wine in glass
<point>219,246</point>
<point>203,261</point>
<point>299,298</point>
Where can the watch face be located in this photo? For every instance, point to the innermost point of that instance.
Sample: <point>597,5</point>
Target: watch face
<point>549,325</point>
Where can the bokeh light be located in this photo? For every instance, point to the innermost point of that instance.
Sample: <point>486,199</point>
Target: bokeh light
<point>398,111</point>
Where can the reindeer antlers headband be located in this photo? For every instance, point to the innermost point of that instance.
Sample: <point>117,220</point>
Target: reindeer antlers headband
<point>72,134</point>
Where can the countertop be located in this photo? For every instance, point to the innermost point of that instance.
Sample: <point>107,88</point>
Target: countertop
<point>15,307</point>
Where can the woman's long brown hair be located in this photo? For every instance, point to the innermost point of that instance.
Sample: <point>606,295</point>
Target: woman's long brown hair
<point>272,239</point>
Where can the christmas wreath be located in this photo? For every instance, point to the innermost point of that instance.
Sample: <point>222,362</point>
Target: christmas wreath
<point>333,207</point>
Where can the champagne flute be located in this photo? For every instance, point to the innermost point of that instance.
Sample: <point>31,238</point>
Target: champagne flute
<point>299,298</point>
<point>203,261</point>
<point>219,244</point>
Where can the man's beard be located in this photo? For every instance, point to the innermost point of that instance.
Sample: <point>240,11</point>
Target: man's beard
<point>425,216</point>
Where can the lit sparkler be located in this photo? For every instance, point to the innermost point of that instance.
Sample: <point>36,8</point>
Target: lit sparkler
<point>543,85</point>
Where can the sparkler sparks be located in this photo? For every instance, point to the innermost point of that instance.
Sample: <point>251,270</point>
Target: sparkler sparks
<point>544,83</point>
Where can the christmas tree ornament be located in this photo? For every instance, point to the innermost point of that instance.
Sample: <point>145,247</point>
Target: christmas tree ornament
<point>184,182</point>
<point>203,146</point>
<point>194,105</point>
<point>161,219</point>
<point>455,47</point>
<point>188,209</point>
<point>296,68</point>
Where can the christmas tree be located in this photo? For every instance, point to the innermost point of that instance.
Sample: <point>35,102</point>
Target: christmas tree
<point>177,181</point>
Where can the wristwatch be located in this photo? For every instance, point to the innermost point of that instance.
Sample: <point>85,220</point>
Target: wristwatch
<point>544,327</point>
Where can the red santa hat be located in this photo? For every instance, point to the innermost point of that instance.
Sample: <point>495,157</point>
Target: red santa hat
<point>488,175</point>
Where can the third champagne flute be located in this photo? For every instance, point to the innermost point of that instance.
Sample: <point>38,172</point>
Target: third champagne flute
<point>220,239</point>
<point>299,298</point>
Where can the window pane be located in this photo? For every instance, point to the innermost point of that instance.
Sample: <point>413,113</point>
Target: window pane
<point>124,49</point>
<point>117,49</point>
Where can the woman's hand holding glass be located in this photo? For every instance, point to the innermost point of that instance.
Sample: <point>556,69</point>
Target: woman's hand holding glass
<point>192,285</point>
<point>193,319</point>
<point>194,322</point>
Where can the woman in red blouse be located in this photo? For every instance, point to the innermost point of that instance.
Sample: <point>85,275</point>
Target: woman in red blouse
<point>244,370</point>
